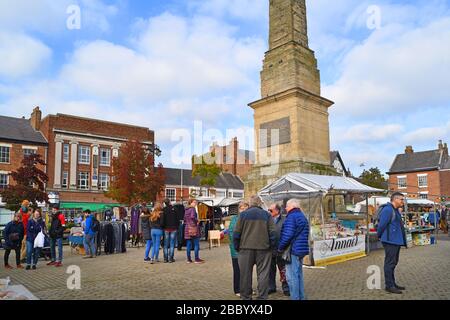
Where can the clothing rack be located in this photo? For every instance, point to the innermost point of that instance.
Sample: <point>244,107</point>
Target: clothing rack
<point>112,237</point>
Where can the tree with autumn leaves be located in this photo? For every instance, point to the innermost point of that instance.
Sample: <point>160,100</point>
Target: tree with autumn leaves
<point>135,179</point>
<point>29,183</point>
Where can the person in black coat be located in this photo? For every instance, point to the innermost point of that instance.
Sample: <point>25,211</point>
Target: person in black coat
<point>146,232</point>
<point>170,223</point>
<point>14,234</point>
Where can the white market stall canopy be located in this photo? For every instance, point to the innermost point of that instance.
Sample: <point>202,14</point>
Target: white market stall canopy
<point>219,201</point>
<point>301,185</point>
<point>378,201</point>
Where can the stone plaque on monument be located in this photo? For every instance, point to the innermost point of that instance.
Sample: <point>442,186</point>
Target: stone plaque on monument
<point>267,136</point>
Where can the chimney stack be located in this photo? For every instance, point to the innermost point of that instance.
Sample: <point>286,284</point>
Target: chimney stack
<point>445,149</point>
<point>36,118</point>
<point>409,149</point>
<point>440,145</point>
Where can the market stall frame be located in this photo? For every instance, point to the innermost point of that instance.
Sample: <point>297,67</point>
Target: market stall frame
<point>308,186</point>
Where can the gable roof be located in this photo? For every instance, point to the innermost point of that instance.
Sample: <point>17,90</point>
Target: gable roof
<point>19,130</point>
<point>336,155</point>
<point>418,161</point>
<point>224,181</point>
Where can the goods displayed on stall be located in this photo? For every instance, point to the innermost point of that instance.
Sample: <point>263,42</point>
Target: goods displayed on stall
<point>336,237</point>
<point>418,225</point>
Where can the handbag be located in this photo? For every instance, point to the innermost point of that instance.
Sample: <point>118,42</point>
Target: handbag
<point>192,231</point>
<point>14,237</point>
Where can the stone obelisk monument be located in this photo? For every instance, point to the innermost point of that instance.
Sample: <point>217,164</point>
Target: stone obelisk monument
<point>291,119</point>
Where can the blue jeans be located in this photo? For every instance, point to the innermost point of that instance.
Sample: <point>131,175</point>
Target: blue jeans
<point>193,242</point>
<point>294,275</point>
<point>156,239</point>
<point>147,248</point>
<point>89,244</point>
<point>32,254</point>
<point>169,241</point>
<point>53,243</point>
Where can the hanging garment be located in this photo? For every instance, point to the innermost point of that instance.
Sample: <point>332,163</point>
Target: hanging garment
<point>124,238</point>
<point>117,237</point>
<point>123,213</point>
<point>109,238</point>
<point>135,212</point>
<point>116,211</point>
<point>202,211</point>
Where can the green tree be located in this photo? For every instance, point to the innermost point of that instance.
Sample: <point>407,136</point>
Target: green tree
<point>206,168</point>
<point>29,184</point>
<point>373,178</point>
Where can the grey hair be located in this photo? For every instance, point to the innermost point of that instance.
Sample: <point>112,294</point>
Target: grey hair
<point>243,204</point>
<point>255,201</point>
<point>294,203</point>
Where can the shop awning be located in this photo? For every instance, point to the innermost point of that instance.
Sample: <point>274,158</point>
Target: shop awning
<point>301,185</point>
<point>87,205</point>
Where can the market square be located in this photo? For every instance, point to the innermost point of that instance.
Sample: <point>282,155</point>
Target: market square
<point>258,150</point>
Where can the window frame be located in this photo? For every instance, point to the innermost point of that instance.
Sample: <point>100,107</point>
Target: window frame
<point>419,176</point>
<point>174,198</point>
<point>402,186</point>
<point>109,157</point>
<point>82,156</point>
<point>4,186</point>
<point>3,154</point>
<point>82,187</point>
<point>65,186</point>
<point>100,181</point>
<point>66,160</point>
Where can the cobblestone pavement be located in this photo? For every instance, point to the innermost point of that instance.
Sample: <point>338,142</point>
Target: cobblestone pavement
<point>423,270</point>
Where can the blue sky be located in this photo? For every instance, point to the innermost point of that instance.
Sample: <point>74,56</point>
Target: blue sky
<point>166,64</point>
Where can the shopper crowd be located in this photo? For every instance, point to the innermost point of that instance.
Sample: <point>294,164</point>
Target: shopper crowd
<point>27,235</point>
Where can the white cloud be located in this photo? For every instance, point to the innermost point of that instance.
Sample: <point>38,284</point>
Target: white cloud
<point>427,134</point>
<point>241,9</point>
<point>171,57</point>
<point>21,55</point>
<point>396,68</point>
<point>366,133</point>
<point>49,16</point>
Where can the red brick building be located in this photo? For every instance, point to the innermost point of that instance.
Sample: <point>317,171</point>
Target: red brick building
<point>80,153</point>
<point>231,159</point>
<point>17,139</point>
<point>423,175</point>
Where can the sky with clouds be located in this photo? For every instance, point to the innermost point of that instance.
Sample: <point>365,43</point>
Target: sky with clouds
<point>179,65</point>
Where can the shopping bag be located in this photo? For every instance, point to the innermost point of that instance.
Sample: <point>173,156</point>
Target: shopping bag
<point>39,241</point>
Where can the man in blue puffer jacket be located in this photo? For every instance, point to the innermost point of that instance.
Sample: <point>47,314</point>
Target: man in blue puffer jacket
<point>391,231</point>
<point>295,230</point>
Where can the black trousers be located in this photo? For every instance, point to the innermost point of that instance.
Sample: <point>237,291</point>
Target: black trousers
<point>278,262</point>
<point>392,256</point>
<point>236,275</point>
<point>7,253</point>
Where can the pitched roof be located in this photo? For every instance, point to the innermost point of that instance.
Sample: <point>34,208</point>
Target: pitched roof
<point>336,155</point>
<point>20,130</point>
<point>417,161</point>
<point>224,181</point>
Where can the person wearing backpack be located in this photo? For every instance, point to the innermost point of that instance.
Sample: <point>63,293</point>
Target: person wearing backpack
<point>56,236</point>
<point>391,231</point>
<point>92,226</point>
